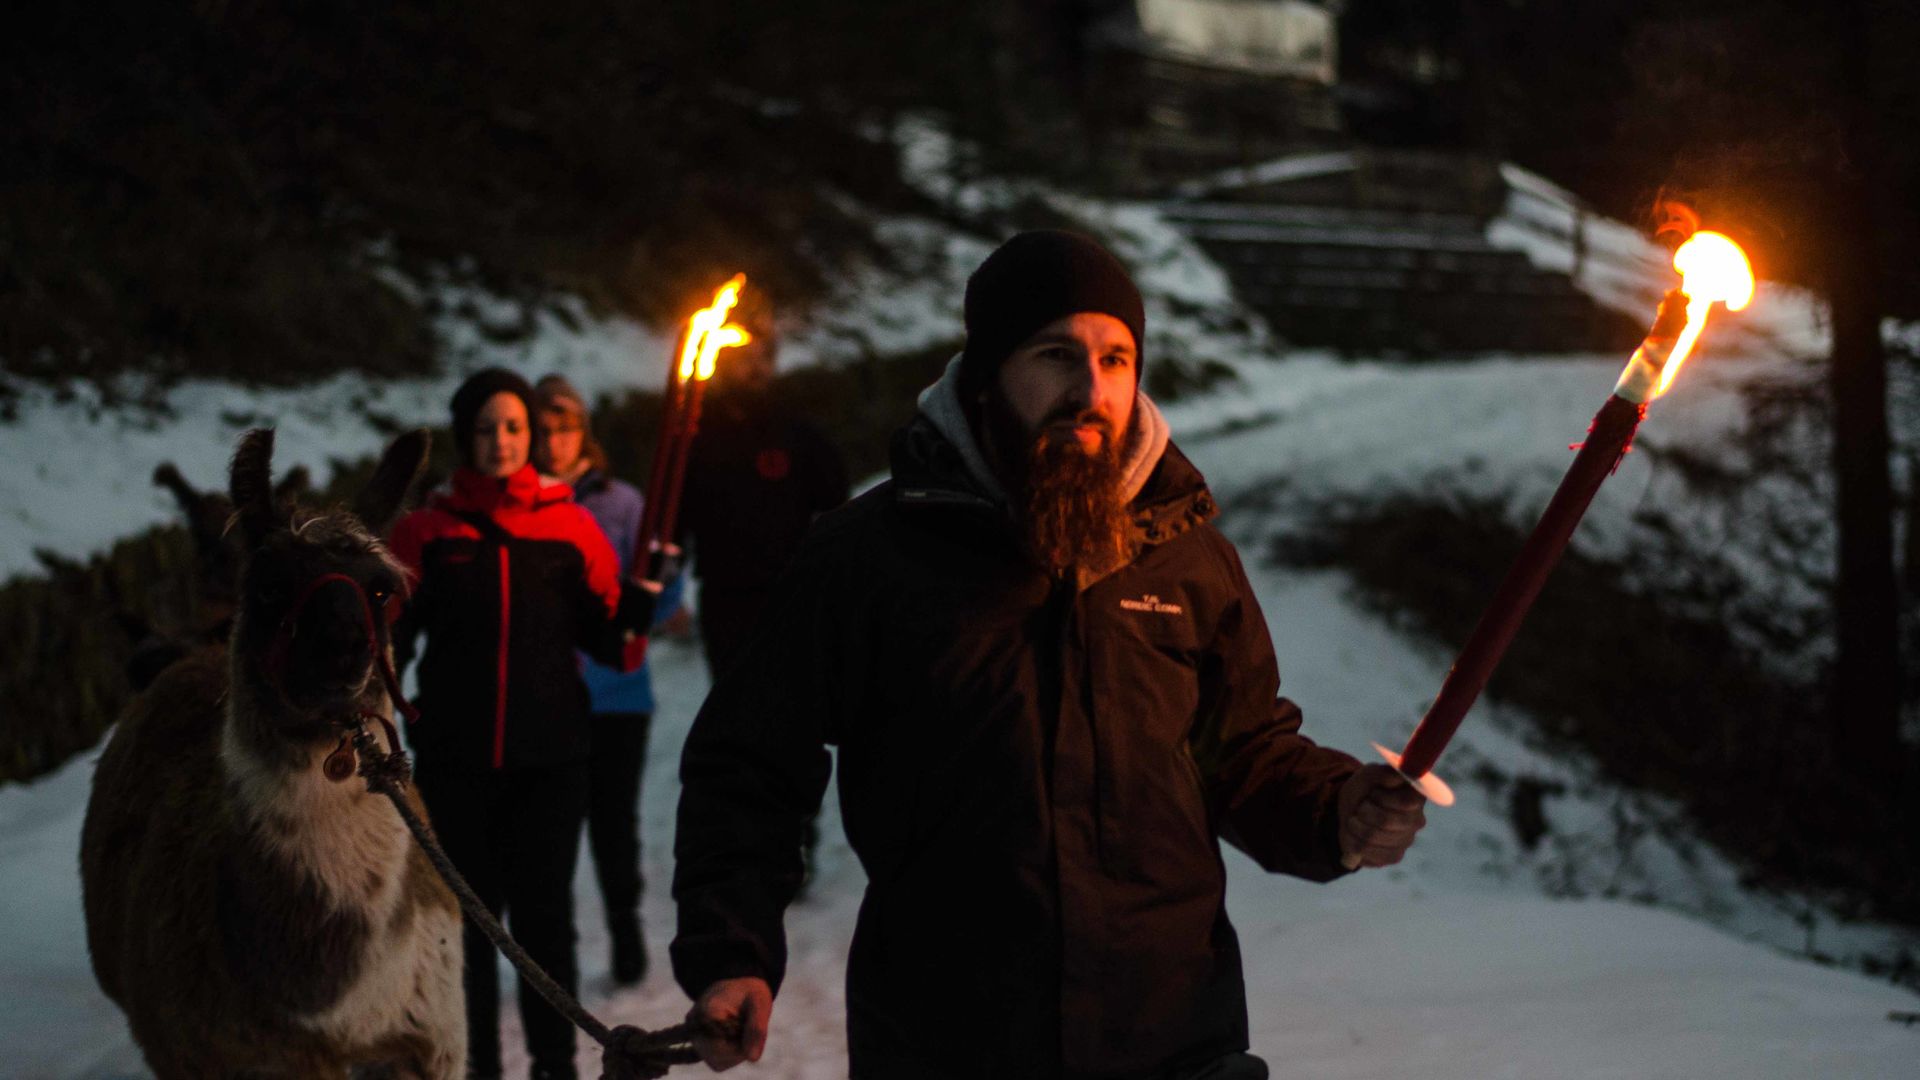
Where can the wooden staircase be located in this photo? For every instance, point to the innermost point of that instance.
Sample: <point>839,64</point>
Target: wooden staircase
<point>1383,252</point>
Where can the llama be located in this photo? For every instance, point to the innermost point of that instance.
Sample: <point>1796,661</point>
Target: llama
<point>250,904</point>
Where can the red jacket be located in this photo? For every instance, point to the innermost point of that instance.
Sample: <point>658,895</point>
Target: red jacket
<point>509,577</point>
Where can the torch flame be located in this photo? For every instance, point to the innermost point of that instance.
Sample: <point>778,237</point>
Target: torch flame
<point>709,332</point>
<point>1712,269</point>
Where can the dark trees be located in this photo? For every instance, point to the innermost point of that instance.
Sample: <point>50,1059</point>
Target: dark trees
<point>260,191</point>
<point>1790,120</point>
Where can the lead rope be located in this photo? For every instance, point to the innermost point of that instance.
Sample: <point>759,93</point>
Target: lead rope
<point>626,1052</point>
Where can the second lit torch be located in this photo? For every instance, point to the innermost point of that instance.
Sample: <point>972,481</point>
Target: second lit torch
<point>1713,270</point>
<point>707,333</point>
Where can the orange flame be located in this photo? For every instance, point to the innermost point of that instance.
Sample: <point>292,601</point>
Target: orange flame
<point>709,332</point>
<point>1713,269</point>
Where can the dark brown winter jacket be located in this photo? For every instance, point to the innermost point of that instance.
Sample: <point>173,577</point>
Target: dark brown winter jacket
<point>1034,776</point>
<point>758,475</point>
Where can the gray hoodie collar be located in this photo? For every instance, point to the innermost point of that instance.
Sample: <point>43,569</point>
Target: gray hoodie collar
<point>940,404</point>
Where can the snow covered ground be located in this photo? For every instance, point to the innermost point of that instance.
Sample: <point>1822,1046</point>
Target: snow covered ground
<point>76,476</point>
<point>1471,960</point>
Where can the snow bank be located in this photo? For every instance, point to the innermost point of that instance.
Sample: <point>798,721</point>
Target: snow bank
<point>75,476</point>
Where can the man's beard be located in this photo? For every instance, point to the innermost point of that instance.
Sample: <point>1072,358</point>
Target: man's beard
<point>1073,511</point>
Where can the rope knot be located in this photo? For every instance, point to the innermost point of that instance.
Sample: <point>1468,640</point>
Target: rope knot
<point>634,1054</point>
<point>384,772</point>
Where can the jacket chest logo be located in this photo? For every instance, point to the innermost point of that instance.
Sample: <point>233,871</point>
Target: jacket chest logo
<point>1152,605</point>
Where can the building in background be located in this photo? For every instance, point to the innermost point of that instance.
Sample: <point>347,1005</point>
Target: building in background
<point>1183,87</point>
<point>1353,209</point>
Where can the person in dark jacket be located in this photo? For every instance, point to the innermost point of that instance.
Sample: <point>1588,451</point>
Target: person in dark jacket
<point>1053,694</point>
<point>565,451</point>
<point>758,475</point>
<point>509,576</point>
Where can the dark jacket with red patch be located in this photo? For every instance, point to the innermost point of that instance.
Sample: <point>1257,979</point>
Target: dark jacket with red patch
<point>1035,776</point>
<point>509,576</point>
<point>757,477</point>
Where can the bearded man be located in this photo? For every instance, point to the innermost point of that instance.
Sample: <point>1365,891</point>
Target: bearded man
<point>1053,695</point>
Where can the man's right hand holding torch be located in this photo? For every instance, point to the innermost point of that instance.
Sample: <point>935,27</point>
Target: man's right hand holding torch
<point>1380,813</point>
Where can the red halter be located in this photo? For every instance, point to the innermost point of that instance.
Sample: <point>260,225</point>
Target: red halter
<point>282,644</point>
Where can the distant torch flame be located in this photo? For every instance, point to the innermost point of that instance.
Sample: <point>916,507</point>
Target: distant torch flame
<point>1712,269</point>
<point>709,332</point>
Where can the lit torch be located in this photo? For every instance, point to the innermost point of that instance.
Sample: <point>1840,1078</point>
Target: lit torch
<point>1713,269</point>
<point>707,333</point>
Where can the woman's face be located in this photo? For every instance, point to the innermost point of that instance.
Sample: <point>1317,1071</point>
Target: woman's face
<point>562,438</point>
<point>501,436</point>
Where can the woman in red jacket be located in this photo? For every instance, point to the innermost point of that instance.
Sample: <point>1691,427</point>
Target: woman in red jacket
<point>510,575</point>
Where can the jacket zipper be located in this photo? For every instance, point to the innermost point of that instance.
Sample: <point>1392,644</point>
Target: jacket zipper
<point>1077,645</point>
<point>500,675</point>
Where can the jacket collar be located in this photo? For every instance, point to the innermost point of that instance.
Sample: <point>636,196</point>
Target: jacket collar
<point>588,481</point>
<point>937,460</point>
<point>524,490</point>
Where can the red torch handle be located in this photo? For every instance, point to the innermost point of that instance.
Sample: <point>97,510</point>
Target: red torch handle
<point>1612,430</point>
<point>664,445</point>
<point>689,427</point>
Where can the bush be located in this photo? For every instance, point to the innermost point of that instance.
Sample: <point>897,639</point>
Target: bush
<point>66,639</point>
<point>1660,698</point>
<point>271,193</point>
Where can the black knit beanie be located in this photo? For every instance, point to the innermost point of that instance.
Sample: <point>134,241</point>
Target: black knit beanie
<point>1032,280</point>
<point>474,394</point>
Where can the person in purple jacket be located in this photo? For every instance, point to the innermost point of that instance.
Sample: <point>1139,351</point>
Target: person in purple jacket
<point>623,705</point>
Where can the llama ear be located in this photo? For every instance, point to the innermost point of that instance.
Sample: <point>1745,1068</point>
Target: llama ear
<point>250,482</point>
<point>380,501</point>
<point>207,512</point>
<point>167,476</point>
<point>297,484</point>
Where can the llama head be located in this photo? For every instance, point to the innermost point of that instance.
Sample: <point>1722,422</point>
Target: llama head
<point>306,645</point>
